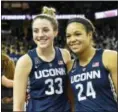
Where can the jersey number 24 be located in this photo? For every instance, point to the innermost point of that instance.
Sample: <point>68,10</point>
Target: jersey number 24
<point>89,92</point>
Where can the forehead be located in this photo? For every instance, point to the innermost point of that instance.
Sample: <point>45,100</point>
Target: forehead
<point>39,23</point>
<point>75,26</point>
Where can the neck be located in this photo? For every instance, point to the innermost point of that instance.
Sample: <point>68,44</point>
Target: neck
<point>86,54</point>
<point>46,51</point>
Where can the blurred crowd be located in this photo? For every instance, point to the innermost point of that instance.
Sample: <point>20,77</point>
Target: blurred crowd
<point>16,36</point>
<point>15,47</point>
<point>106,37</point>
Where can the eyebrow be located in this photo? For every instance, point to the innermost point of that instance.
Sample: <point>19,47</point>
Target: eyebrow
<point>73,32</point>
<point>67,33</point>
<point>77,32</point>
<point>42,27</point>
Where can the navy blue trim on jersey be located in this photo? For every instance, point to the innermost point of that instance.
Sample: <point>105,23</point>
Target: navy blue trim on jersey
<point>48,84</point>
<point>92,86</point>
<point>33,54</point>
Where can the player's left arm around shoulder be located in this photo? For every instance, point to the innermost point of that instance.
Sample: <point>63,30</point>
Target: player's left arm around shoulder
<point>111,60</point>
<point>67,59</point>
<point>66,55</point>
<point>69,63</point>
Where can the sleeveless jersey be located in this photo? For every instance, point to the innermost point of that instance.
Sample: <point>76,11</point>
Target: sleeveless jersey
<point>92,86</point>
<point>47,84</point>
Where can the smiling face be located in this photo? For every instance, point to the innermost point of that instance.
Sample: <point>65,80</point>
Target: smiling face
<point>43,33</point>
<point>77,37</point>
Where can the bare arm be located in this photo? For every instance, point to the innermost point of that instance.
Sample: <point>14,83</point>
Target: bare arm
<point>69,64</point>
<point>70,96</point>
<point>70,92</point>
<point>22,71</point>
<point>7,82</point>
<point>110,61</point>
<point>66,55</point>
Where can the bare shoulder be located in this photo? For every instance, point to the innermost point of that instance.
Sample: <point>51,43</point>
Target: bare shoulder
<point>66,55</point>
<point>24,61</point>
<point>109,57</point>
<point>65,51</point>
<point>23,66</point>
<point>70,65</point>
<point>109,54</point>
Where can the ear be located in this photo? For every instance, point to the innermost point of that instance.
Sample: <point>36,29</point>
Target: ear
<point>55,33</point>
<point>90,35</point>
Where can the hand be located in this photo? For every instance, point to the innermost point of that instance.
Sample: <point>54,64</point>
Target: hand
<point>7,100</point>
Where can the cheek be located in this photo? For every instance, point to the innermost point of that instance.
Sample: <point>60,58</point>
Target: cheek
<point>34,35</point>
<point>83,39</point>
<point>86,43</point>
<point>50,36</point>
<point>67,41</point>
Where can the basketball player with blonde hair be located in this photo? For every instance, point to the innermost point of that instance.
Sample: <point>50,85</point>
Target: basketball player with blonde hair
<point>45,66</point>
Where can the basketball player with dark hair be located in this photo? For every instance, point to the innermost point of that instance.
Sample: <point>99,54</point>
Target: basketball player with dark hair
<point>93,74</point>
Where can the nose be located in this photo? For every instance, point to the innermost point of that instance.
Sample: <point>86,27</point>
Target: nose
<point>40,33</point>
<point>72,39</point>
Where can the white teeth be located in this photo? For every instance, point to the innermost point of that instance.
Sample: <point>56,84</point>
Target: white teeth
<point>75,44</point>
<point>41,39</point>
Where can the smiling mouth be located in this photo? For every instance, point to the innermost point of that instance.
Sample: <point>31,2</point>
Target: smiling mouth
<point>75,44</point>
<point>42,40</point>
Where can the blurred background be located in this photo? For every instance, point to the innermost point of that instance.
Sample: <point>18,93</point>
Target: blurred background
<point>16,18</point>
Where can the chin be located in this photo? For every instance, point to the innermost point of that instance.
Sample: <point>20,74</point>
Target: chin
<point>76,51</point>
<point>43,46</point>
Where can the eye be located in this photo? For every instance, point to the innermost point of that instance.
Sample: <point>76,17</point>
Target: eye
<point>45,29</point>
<point>35,30</point>
<point>67,36</point>
<point>77,34</point>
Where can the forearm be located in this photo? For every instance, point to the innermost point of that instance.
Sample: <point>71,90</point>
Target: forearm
<point>7,82</point>
<point>18,102</point>
<point>71,103</point>
<point>18,106</point>
<point>19,94</point>
<point>10,84</point>
<point>70,96</point>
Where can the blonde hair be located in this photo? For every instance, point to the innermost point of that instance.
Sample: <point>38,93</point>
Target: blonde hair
<point>48,13</point>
